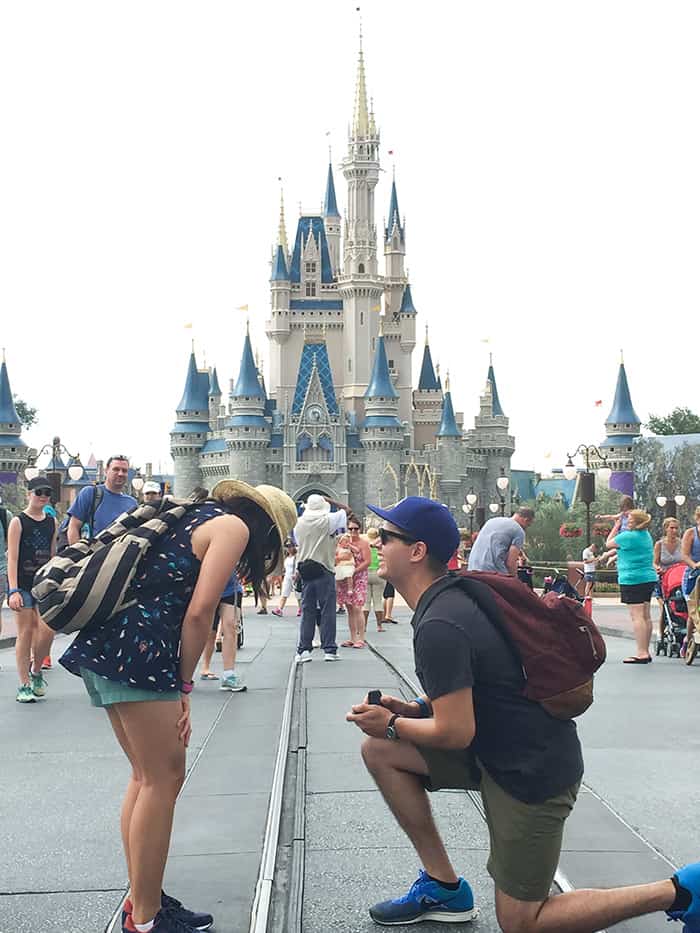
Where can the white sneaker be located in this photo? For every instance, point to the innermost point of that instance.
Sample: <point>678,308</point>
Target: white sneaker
<point>330,657</point>
<point>303,657</point>
<point>316,643</point>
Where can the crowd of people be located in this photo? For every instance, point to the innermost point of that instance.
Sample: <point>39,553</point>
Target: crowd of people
<point>473,727</point>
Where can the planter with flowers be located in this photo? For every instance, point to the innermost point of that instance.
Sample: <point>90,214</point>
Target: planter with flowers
<point>570,530</point>
<point>602,529</point>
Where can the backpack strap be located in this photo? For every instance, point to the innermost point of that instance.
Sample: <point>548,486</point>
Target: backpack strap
<point>98,495</point>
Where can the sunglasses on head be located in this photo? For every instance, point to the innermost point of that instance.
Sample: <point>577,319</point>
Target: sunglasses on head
<point>43,491</point>
<point>384,536</point>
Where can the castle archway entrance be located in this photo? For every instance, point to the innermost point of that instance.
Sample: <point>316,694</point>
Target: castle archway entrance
<point>303,493</point>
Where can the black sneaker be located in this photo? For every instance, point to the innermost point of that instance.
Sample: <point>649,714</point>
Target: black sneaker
<point>173,908</point>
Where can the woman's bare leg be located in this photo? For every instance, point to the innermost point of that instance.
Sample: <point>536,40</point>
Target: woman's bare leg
<point>208,652</point>
<point>27,621</point>
<point>133,787</point>
<point>229,620</point>
<point>641,621</point>
<point>151,733</point>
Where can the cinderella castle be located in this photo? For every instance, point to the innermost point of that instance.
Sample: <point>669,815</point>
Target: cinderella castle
<point>342,416</point>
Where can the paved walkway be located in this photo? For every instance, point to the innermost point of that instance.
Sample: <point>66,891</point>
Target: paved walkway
<point>63,771</point>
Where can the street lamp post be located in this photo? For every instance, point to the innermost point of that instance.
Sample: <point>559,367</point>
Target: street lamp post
<point>469,507</point>
<point>670,504</point>
<point>53,475</point>
<point>587,481</point>
<point>502,484</point>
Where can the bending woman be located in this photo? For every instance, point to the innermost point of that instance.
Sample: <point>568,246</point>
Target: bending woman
<point>636,576</point>
<point>139,666</point>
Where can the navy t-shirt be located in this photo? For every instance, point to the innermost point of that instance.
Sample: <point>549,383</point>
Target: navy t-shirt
<point>111,507</point>
<point>527,752</point>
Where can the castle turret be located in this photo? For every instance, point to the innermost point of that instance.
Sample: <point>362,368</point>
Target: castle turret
<point>247,429</point>
<point>13,450</point>
<point>622,428</point>
<point>427,401</point>
<point>394,256</point>
<point>278,326</point>
<point>450,457</point>
<point>331,219</point>
<point>189,433</point>
<point>489,437</point>
<point>360,285</point>
<point>214,399</point>
<point>382,433</point>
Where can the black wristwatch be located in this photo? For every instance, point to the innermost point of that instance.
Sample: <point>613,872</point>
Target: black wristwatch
<point>391,732</point>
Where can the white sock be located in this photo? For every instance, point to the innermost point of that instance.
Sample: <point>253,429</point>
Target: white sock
<point>229,673</point>
<point>145,927</point>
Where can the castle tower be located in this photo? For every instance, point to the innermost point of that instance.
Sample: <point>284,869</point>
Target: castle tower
<point>278,326</point>
<point>247,431</point>
<point>214,400</point>
<point>394,257</point>
<point>13,450</point>
<point>360,285</point>
<point>489,437</point>
<point>331,218</point>
<point>449,458</point>
<point>622,428</point>
<point>189,433</point>
<point>382,434</point>
<point>427,401</point>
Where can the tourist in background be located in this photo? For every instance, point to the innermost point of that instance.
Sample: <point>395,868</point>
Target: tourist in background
<point>290,564</point>
<point>636,575</point>
<point>375,584</point>
<point>690,554</point>
<point>667,552</point>
<point>112,501</point>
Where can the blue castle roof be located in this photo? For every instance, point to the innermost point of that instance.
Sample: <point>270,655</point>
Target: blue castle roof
<point>316,225</point>
<point>214,445</point>
<point>407,302</point>
<point>394,216</point>
<point>448,425</point>
<point>381,421</point>
<point>196,394</point>
<point>427,380</point>
<point>279,268</point>
<point>247,382</point>
<point>497,410</point>
<point>314,353</point>
<point>330,206</point>
<point>11,440</point>
<point>8,413</point>
<point>622,411</point>
<point>380,383</point>
<point>214,383</point>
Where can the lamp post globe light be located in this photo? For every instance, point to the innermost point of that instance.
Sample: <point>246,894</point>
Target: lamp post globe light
<point>587,478</point>
<point>494,507</point>
<point>54,474</point>
<point>670,504</point>
<point>502,484</point>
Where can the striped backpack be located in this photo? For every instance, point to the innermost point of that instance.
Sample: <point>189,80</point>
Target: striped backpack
<point>88,582</point>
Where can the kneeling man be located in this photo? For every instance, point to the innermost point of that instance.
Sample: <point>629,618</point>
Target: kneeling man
<point>474,729</point>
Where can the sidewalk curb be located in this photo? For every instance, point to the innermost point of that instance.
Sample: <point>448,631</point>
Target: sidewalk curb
<point>8,642</point>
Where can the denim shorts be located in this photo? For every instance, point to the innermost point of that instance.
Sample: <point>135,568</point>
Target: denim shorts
<point>105,692</point>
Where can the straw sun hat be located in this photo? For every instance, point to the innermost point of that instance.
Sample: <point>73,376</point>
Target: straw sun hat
<point>275,503</point>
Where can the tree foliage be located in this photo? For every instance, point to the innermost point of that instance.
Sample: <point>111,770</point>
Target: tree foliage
<point>662,472</point>
<point>26,414</point>
<point>679,421</point>
<point>14,497</point>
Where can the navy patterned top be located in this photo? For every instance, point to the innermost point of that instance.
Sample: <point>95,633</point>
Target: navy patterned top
<point>140,646</point>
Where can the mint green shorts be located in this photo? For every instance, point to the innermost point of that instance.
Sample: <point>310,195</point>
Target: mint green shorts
<point>105,692</point>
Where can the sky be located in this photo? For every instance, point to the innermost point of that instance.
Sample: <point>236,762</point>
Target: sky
<point>546,158</point>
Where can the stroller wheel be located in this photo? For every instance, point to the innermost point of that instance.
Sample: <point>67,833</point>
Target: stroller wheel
<point>659,647</point>
<point>691,651</point>
<point>674,650</point>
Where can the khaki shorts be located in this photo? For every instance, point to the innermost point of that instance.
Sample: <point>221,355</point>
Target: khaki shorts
<point>525,838</point>
<point>375,592</point>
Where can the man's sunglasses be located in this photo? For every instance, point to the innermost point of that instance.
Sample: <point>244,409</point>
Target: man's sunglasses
<point>384,536</point>
<point>44,491</point>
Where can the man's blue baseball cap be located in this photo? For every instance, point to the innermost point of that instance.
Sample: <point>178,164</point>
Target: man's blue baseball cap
<point>424,520</point>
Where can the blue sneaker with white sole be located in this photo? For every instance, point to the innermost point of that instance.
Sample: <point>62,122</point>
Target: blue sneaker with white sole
<point>427,900</point>
<point>688,878</point>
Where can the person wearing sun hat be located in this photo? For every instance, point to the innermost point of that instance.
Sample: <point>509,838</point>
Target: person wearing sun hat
<point>149,652</point>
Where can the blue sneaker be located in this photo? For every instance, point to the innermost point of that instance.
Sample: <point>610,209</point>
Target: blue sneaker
<point>427,900</point>
<point>688,877</point>
<point>175,912</point>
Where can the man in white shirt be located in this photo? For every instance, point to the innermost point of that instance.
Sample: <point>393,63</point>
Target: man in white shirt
<point>315,536</point>
<point>590,562</point>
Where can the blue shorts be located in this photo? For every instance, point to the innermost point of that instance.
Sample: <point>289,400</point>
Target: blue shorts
<point>27,599</point>
<point>589,577</point>
<point>104,692</point>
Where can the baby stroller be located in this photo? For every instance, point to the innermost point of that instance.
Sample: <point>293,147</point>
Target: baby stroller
<point>560,585</point>
<point>675,612</point>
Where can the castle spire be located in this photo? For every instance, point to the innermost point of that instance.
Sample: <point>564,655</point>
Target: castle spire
<point>195,397</point>
<point>330,205</point>
<point>491,378</point>
<point>394,221</point>
<point>247,383</point>
<point>8,412</point>
<point>214,383</point>
<point>360,123</point>
<point>380,383</point>
<point>448,425</point>
<point>622,411</point>
<point>427,380</point>
<point>282,232</point>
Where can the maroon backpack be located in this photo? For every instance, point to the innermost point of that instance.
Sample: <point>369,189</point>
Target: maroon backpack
<point>557,644</point>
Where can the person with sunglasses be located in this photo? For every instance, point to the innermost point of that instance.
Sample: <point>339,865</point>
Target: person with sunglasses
<point>112,501</point>
<point>31,542</point>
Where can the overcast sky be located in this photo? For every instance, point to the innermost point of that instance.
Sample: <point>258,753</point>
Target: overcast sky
<point>546,160</point>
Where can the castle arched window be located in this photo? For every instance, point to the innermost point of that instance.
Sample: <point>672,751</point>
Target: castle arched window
<point>326,447</point>
<point>361,267</point>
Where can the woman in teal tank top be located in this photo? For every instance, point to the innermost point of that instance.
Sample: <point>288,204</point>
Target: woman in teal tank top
<point>637,577</point>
